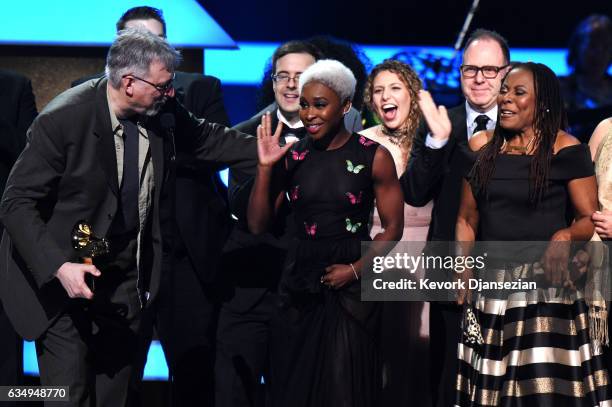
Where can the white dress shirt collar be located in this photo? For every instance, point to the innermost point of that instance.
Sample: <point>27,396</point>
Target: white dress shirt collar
<point>282,119</point>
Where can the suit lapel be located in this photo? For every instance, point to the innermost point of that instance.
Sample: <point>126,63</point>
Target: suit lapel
<point>459,125</point>
<point>106,142</point>
<point>458,137</point>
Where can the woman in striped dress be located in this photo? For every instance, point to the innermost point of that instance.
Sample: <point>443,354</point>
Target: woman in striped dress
<point>532,182</point>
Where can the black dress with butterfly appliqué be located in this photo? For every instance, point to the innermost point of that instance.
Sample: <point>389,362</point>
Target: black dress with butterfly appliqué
<point>325,341</point>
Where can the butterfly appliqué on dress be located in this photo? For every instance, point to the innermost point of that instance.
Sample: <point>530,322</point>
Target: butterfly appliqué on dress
<point>295,192</point>
<point>350,227</point>
<point>355,199</point>
<point>311,230</point>
<point>364,141</point>
<point>297,156</point>
<point>354,169</point>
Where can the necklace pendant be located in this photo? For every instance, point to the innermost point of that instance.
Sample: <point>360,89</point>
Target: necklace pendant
<point>522,149</point>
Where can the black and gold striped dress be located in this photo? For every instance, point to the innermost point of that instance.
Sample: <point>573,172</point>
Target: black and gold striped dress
<point>536,350</point>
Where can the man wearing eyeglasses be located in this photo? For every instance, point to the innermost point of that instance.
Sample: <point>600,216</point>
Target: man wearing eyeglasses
<point>435,171</point>
<point>103,152</point>
<point>193,238</point>
<point>198,226</point>
<point>288,62</point>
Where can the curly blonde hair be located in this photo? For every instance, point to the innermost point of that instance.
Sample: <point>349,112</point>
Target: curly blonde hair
<point>413,83</point>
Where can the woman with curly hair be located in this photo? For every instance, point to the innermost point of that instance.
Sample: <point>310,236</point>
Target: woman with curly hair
<point>392,94</point>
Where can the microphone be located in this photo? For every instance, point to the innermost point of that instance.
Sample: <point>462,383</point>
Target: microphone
<point>168,123</point>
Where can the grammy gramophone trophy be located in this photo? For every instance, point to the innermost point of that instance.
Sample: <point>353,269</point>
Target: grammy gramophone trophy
<point>88,246</point>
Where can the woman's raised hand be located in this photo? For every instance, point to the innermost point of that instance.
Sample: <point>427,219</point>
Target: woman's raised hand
<point>435,116</point>
<point>269,151</point>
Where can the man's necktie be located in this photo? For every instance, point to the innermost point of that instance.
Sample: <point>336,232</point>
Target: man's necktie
<point>481,123</point>
<point>130,180</point>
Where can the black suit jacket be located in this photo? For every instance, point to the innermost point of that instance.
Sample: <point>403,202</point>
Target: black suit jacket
<point>200,210</point>
<point>67,172</point>
<point>253,264</point>
<point>17,111</point>
<point>437,174</point>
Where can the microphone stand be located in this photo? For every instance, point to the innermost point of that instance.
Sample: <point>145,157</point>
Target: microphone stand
<point>465,28</point>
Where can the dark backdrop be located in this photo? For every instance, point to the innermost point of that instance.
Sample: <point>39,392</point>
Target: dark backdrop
<point>525,23</point>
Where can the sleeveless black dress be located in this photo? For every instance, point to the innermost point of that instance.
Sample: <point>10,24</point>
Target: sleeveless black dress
<point>324,341</point>
<point>537,350</point>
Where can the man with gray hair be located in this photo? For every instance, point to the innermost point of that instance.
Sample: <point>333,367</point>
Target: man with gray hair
<point>101,153</point>
<point>192,240</point>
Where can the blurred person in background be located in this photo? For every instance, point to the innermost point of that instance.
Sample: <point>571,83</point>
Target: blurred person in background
<point>587,91</point>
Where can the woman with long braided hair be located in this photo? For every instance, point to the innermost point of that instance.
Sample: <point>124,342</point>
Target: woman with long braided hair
<point>531,182</point>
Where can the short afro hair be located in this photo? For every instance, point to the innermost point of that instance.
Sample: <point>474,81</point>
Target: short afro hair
<point>332,74</point>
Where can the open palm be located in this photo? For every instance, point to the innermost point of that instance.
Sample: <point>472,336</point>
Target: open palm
<point>436,116</point>
<point>269,151</point>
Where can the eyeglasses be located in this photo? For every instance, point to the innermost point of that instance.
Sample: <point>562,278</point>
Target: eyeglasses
<point>163,88</point>
<point>488,71</point>
<point>284,78</point>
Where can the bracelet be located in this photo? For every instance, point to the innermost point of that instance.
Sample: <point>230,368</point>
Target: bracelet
<point>354,271</point>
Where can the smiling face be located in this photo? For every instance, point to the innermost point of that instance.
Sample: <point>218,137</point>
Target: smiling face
<point>286,92</point>
<point>480,92</point>
<point>321,110</point>
<point>391,99</point>
<point>517,101</point>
